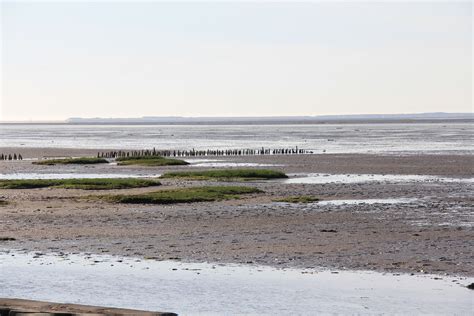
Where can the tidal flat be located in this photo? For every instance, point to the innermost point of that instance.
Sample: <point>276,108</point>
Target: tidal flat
<point>413,226</point>
<point>357,227</point>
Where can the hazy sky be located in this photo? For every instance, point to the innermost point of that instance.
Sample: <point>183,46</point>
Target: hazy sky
<point>129,59</point>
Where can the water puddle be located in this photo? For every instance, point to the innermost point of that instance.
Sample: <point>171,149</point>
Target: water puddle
<point>223,163</point>
<point>233,164</point>
<point>350,202</point>
<point>368,201</point>
<point>323,178</point>
<point>214,289</point>
<point>24,176</point>
<point>195,161</point>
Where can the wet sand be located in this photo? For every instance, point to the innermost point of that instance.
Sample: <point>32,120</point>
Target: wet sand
<point>431,233</point>
<point>18,306</point>
<point>421,164</point>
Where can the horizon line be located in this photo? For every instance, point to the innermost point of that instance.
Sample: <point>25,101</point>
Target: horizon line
<point>153,119</point>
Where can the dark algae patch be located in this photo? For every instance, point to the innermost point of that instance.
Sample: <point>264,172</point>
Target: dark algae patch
<point>298,199</point>
<point>3,202</point>
<point>71,161</point>
<point>150,161</point>
<point>184,195</point>
<point>7,239</point>
<point>227,174</point>
<point>84,184</point>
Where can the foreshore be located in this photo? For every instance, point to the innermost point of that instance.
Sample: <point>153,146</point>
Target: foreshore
<point>430,231</point>
<point>30,307</point>
<point>457,165</point>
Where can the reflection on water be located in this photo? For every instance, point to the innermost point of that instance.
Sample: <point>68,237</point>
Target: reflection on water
<point>190,289</point>
<point>19,176</point>
<point>350,202</point>
<point>232,164</point>
<point>321,178</point>
<point>216,163</point>
<point>367,201</point>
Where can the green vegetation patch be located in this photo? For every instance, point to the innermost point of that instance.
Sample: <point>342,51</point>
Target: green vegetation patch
<point>3,203</point>
<point>298,199</point>
<point>150,161</point>
<point>71,161</point>
<point>227,174</point>
<point>84,184</point>
<point>184,195</point>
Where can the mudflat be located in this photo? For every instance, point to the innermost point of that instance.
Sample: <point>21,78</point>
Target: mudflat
<point>27,307</point>
<point>421,164</point>
<point>409,226</point>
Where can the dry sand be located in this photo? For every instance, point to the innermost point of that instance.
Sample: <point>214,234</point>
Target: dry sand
<point>431,234</point>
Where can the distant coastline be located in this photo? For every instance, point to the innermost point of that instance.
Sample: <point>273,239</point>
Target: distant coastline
<point>266,120</point>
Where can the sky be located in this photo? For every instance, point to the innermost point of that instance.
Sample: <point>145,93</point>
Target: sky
<point>133,59</point>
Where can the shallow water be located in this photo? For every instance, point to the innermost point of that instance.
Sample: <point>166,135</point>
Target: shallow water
<point>196,160</point>
<point>368,201</point>
<point>191,289</point>
<point>232,164</point>
<point>21,176</point>
<point>330,138</point>
<point>322,178</point>
<point>351,202</point>
<point>219,163</point>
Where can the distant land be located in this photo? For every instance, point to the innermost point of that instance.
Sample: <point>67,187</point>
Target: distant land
<point>276,119</point>
<point>320,119</point>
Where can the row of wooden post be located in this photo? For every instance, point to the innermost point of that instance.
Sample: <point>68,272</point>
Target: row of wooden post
<point>201,153</point>
<point>11,157</point>
<point>186,153</point>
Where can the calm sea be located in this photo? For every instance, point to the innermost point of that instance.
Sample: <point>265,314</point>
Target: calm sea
<point>331,138</point>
